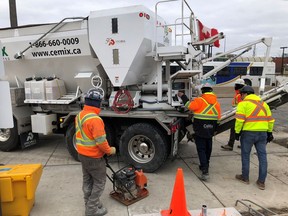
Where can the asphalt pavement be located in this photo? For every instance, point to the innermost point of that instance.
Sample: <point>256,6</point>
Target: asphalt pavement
<point>59,191</point>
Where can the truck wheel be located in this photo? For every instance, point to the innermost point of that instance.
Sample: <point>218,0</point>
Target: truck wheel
<point>9,138</point>
<point>70,140</point>
<point>144,146</point>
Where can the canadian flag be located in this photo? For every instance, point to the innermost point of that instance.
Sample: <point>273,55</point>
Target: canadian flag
<point>205,33</point>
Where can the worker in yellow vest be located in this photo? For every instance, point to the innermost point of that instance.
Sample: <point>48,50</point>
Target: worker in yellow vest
<point>254,124</point>
<point>92,145</point>
<point>206,116</point>
<point>239,84</point>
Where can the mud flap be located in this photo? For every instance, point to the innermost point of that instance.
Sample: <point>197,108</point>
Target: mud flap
<point>175,137</point>
<point>28,139</point>
<point>175,142</point>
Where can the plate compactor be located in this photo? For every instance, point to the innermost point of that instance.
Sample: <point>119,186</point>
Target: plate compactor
<point>129,184</point>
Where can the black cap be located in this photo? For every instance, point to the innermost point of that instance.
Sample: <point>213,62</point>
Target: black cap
<point>247,89</point>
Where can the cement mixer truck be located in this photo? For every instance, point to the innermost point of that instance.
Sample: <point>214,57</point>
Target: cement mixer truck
<point>121,53</point>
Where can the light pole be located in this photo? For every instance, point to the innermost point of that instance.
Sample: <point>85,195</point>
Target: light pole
<point>13,13</point>
<point>282,65</point>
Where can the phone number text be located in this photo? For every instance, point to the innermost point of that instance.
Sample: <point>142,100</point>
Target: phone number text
<point>56,42</point>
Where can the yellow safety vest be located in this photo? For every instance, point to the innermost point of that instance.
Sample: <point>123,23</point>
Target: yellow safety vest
<point>253,115</point>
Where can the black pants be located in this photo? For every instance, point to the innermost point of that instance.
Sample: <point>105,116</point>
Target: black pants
<point>204,150</point>
<point>232,137</point>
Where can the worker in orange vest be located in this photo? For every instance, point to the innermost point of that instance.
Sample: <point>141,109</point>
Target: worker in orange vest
<point>254,124</point>
<point>92,145</point>
<point>239,84</point>
<point>206,115</point>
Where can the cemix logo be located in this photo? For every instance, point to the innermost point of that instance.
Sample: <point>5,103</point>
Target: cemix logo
<point>110,41</point>
<point>4,53</point>
<point>30,137</point>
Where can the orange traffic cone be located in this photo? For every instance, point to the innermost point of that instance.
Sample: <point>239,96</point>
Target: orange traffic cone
<point>178,201</point>
<point>224,213</point>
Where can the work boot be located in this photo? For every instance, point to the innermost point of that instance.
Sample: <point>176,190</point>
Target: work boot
<point>227,147</point>
<point>260,185</point>
<point>101,211</point>
<point>205,175</point>
<point>242,179</point>
<point>201,168</point>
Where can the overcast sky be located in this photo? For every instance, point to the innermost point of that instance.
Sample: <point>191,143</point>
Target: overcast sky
<point>241,21</point>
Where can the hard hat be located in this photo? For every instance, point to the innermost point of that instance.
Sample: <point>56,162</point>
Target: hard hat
<point>247,89</point>
<point>93,98</point>
<point>240,81</point>
<point>206,85</point>
<point>206,88</point>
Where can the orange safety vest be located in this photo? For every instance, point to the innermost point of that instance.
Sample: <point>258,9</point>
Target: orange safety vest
<point>236,99</point>
<point>90,134</point>
<point>204,110</point>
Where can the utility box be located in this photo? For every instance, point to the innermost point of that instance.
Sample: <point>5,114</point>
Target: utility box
<point>18,185</point>
<point>43,123</point>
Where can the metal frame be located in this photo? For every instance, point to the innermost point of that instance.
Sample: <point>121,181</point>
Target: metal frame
<point>251,210</point>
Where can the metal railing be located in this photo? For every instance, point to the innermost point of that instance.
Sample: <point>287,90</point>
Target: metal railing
<point>20,54</point>
<point>183,23</point>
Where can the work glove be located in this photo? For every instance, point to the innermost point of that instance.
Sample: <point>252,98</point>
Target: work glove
<point>237,136</point>
<point>269,137</point>
<point>112,151</point>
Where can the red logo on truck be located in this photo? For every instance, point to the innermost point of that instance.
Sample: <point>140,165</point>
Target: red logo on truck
<point>110,41</point>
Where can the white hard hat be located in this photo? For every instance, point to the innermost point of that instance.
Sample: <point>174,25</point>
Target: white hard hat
<point>206,85</point>
<point>240,81</point>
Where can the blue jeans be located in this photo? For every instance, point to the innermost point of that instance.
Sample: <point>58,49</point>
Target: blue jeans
<point>247,140</point>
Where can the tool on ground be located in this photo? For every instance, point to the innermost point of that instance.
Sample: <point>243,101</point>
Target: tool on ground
<point>129,184</point>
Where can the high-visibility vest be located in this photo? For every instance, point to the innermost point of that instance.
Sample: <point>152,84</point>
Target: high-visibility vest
<point>86,144</point>
<point>209,113</point>
<point>205,110</point>
<point>236,99</point>
<point>253,115</point>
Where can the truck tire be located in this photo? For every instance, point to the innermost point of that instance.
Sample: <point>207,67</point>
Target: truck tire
<point>144,146</point>
<point>9,138</point>
<point>70,139</point>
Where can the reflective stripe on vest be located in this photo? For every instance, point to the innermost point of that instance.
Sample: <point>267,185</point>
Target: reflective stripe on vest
<point>253,117</point>
<point>204,114</point>
<point>85,140</point>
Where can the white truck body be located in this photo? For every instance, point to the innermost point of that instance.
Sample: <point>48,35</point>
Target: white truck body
<point>120,52</point>
<point>5,98</point>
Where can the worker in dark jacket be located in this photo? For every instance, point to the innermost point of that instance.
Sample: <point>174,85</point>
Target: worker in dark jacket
<point>206,116</point>
<point>238,85</point>
<point>92,145</point>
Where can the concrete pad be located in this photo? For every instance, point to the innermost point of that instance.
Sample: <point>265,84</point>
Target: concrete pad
<point>210,212</point>
<point>39,153</point>
<point>60,188</point>
<point>161,184</point>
